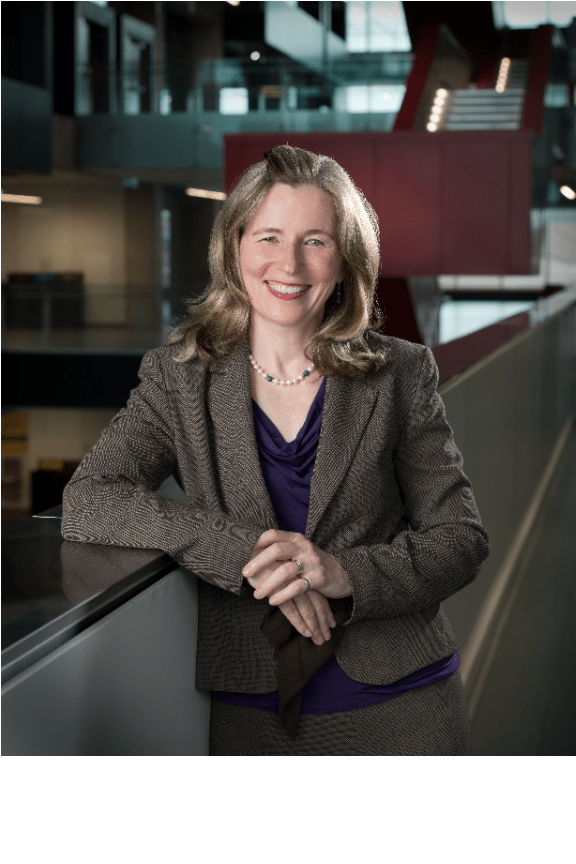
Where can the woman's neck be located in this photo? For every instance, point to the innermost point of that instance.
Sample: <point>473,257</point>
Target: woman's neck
<point>280,351</point>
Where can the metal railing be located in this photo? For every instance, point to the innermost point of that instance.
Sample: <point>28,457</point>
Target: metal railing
<point>267,84</point>
<point>135,319</point>
<point>97,318</point>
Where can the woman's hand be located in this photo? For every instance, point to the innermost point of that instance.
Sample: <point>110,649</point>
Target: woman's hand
<point>273,572</point>
<point>311,615</point>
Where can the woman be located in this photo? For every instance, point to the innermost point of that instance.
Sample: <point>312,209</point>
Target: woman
<point>328,512</point>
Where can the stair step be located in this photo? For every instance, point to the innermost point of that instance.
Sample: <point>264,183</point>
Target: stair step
<point>462,127</point>
<point>485,115</point>
<point>486,95</point>
<point>485,106</point>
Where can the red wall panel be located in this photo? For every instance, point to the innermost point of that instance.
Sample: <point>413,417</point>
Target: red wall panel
<point>448,202</point>
<point>406,200</point>
<point>475,200</point>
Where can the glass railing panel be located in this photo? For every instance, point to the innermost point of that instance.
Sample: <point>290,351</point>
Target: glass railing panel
<point>99,318</point>
<point>234,86</point>
<point>460,317</point>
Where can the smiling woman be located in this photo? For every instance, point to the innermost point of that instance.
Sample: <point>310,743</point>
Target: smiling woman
<point>328,514</point>
<point>220,318</point>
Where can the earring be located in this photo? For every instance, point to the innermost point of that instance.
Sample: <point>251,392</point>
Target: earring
<point>338,297</point>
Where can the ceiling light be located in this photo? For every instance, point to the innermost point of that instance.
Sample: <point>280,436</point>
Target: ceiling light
<point>431,127</point>
<point>255,55</point>
<point>206,193</point>
<point>20,199</point>
<point>568,192</point>
<point>233,2</point>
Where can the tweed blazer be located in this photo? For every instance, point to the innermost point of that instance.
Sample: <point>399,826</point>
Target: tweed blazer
<point>388,497</point>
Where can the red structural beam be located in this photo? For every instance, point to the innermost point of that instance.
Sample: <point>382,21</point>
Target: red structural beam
<point>424,54</point>
<point>448,202</point>
<point>538,72</point>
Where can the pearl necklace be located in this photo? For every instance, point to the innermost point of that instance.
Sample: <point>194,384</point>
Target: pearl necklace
<point>276,380</point>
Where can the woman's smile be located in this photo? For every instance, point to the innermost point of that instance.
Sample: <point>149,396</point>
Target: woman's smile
<point>287,291</point>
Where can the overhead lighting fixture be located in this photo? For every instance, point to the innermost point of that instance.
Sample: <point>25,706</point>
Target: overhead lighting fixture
<point>20,199</point>
<point>568,192</point>
<point>206,193</point>
<point>503,74</point>
<point>255,55</point>
<point>233,2</point>
<point>437,110</point>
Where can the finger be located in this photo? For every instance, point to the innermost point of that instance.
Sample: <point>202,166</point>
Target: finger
<point>282,575</point>
<point>293,615</point>
<point>289,592</point>
<point>322,611</point>
<point>280,551</point>
<point>308,613</point>
<point>317,598</point>
<point>273,535</point>
<point>320,631</point>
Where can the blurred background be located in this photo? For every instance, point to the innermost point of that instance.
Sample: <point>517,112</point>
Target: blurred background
<point>113,158</point>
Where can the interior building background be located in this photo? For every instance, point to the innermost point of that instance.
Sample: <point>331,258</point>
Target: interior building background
<point>112,111</point>
<point>120,124</point>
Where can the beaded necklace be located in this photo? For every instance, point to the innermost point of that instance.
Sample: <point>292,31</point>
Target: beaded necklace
<point>277,380</point>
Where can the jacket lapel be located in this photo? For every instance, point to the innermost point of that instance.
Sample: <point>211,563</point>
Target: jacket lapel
<point>229,404</point>
<point>347,409</point>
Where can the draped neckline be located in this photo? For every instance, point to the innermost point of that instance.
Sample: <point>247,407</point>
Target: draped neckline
<point>272,439</point>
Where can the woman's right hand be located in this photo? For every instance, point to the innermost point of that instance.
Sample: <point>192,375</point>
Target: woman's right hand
<point>311,615</point>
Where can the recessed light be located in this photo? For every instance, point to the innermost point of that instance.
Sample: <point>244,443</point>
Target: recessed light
<point>206,193</point>
<point>20,199</point>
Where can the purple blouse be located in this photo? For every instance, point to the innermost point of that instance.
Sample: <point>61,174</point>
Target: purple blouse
<point>287,467</point>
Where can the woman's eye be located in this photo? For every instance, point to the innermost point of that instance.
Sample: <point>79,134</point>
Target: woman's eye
<point>268,239</point>
<point>314,242</point>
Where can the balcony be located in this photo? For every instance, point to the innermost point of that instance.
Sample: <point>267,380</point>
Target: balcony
<point>174,119</point>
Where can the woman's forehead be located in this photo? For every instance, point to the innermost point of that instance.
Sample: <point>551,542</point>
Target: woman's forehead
<point>284,203</point>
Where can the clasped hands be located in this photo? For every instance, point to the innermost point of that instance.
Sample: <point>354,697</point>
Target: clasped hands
<point>272,571</point>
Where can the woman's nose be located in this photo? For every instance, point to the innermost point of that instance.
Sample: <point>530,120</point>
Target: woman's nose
<point>291,257</point>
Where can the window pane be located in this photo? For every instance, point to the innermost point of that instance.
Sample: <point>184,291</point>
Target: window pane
<point>233,100</point>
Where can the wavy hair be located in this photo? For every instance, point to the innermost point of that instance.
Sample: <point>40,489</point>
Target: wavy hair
<point>218,320</point>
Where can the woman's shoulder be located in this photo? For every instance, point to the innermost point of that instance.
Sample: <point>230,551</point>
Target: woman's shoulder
<point>162,365</point>
<point>400,356</point>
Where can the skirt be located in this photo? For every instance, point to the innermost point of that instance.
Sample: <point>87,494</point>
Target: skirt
<point>427,721</point>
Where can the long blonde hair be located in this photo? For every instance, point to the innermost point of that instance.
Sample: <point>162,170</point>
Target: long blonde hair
<point>218,320</point>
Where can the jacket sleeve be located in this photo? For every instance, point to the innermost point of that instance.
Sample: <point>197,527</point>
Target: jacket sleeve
<point>112,498</point>
<point>445,544</point>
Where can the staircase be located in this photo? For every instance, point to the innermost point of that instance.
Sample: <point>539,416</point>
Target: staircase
<point>488,109</point>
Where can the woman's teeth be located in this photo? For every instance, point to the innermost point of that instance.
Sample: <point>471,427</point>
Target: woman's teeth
<point>279,288</point>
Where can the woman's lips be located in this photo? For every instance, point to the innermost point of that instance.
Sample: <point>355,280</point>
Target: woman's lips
<point>286,291</point>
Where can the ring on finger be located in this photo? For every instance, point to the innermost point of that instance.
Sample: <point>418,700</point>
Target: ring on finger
<point>306,581</point>
<point>300,567</point>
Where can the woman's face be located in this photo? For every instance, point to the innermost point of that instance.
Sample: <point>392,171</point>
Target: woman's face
<point>289,258</point>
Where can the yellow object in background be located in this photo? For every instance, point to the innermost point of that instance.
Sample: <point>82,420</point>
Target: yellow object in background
<point>14,434</point>
<point>51,464</point>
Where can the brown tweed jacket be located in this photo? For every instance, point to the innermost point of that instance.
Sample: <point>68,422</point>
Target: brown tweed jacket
<point>388,497</point>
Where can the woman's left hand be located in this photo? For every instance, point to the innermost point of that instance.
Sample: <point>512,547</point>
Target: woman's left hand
<point>273,571</point>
